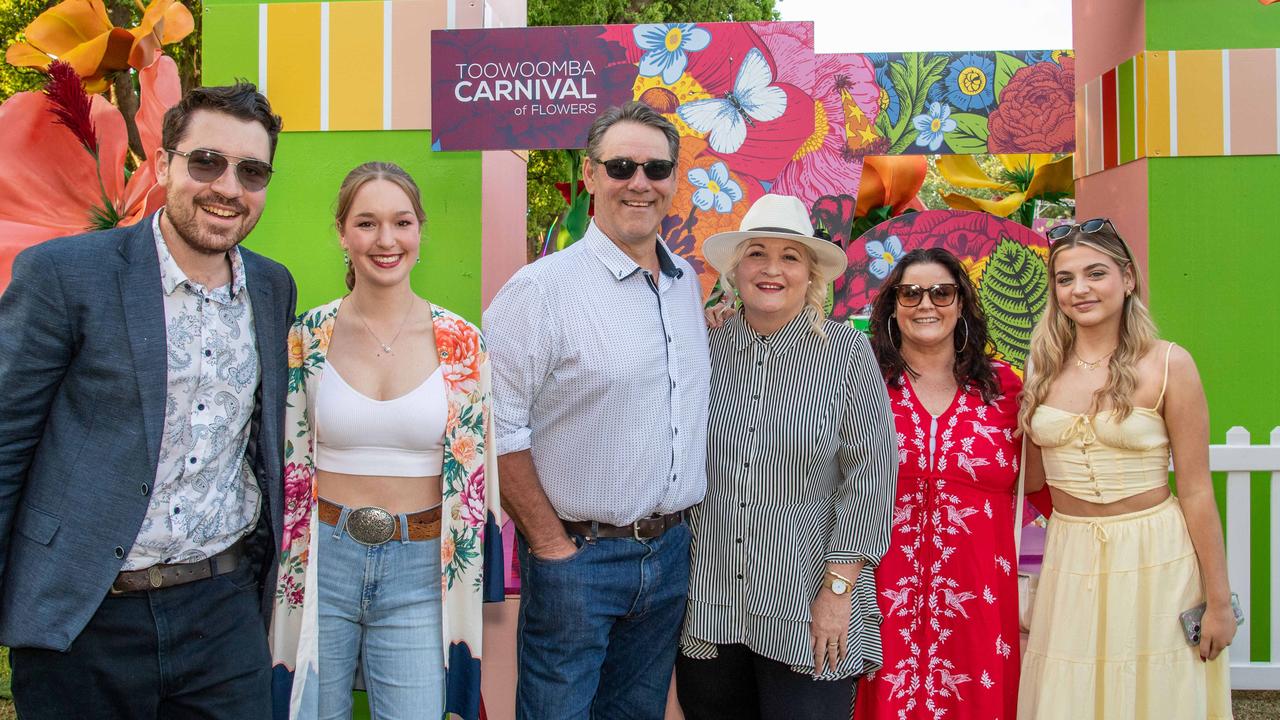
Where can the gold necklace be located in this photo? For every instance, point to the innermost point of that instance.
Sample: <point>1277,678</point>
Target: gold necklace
<point>386,347</point>
<point>1090,366</point>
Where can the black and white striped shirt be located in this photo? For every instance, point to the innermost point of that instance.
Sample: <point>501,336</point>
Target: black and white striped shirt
<point>802,463</point>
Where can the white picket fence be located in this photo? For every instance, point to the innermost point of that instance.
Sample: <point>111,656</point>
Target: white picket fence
<point>1238,458</point>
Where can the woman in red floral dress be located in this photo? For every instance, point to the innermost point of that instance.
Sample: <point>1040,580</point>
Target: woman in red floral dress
<point>948,585</point>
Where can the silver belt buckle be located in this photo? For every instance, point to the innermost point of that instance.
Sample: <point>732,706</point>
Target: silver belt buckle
<point>371,525</point>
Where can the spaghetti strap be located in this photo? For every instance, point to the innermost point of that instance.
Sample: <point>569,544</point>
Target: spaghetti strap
<point>1164,385</point>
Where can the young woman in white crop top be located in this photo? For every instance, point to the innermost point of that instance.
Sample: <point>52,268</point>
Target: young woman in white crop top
<point>1104,406</point>
<point>392,416</point>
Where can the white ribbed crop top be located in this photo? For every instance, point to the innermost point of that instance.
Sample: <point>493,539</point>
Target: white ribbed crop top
<point>401,437</point>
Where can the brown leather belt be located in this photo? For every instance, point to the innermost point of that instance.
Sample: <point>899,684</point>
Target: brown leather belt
<point>649,527</point>
<point>375,526</point>
<point>162,576</point>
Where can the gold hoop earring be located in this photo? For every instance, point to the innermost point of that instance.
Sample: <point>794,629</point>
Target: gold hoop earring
<point>889,328</point>
<point>965,344</point>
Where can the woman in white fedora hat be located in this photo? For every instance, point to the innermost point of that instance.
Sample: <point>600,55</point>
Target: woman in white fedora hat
<point>801,466</point>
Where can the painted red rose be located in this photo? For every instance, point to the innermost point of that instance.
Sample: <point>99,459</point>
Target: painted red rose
<point>1036,111</point>
<point>297,502</point>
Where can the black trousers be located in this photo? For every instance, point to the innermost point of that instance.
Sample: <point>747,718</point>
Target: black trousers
<point>741,685</point>
<point>196,651</point>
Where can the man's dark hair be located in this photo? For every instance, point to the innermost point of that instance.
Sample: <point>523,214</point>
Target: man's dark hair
<point>636,112</point>
<point>241,101</point>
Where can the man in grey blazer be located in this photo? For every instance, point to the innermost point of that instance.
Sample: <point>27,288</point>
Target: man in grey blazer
<point>142,385</point>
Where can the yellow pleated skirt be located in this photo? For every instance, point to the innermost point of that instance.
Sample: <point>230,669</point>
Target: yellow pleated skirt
<point>1106,642</point>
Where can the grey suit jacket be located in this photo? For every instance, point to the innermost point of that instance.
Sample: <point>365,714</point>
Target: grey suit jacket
<point>83,376</point>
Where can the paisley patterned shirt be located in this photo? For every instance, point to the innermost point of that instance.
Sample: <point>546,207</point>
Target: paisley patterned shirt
<point>204,496</point>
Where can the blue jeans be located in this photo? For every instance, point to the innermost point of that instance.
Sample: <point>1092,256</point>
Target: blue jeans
<point>598,630</point>
<point>197,650</point>
<point>380,606</point>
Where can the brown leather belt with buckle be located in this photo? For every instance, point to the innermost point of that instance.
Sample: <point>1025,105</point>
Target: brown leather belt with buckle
<point>375,526</point>
<point>650,527</point>
<point>162,576</point>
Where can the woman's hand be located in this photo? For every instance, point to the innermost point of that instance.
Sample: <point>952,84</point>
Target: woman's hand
<point>1217,629</point>
<point>829,629</point>
<point>719,314</point>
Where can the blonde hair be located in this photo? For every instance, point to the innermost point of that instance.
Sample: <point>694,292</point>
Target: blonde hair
<point>364,174</point>
<point>815,295</point>
<point>1054,335</point>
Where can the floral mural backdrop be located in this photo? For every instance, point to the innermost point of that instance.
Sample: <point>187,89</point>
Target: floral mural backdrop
<point>758,111</point>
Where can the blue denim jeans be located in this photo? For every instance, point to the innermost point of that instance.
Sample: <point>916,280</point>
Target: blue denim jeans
<point>380,607</point>
<point>197,650</point>
<point>598,630</point>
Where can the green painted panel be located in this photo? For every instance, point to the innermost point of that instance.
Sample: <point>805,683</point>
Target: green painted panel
<point>229,43</point>
<point>297,226</point>
<point>1210,24</point>
<point>1212,252</point>
<point>1125,109</point>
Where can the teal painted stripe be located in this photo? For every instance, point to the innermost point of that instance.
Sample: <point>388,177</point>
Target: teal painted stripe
<point>1126,110</point>
<point>230,43</point>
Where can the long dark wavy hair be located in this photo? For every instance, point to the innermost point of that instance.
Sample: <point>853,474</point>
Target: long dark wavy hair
<point>973,358</point>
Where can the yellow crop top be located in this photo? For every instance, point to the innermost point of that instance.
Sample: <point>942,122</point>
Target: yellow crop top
<point>1099,459</point>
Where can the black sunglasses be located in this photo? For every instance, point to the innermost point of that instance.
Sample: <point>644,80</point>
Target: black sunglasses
<point>942,294</point>
<point>624,168</point>
<point>1088,226</point>
<point>207,166</point>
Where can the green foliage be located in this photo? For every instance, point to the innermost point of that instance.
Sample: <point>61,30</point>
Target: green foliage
<point>913,76</point>
<point>15,16</point>
<point>546,168</point>
<point>1013,292</point>
<point>970,135</point>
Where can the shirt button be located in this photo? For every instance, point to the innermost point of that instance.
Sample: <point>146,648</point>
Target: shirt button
<point>755,397</point>
<point>192,461</point>
<point>145,488</point>
<point>119,553</point>
<point>673,478</point>
<point>200,406</point>
<point>207,353</point>
<point>746,463</point>
<point>742,504</point>
<point>751,429</point>
<point>738,540</point>
<point>739,576</point>
<point>759,363</point>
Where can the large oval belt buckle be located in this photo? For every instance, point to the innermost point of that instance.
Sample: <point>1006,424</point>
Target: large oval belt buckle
<point>371,525</point>
<point>155,577</point>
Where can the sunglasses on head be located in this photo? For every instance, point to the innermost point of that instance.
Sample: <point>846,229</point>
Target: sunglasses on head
<point>942,294</point>
<point>207,166</point>
<point>624,168</point>
<point>1086,227</point>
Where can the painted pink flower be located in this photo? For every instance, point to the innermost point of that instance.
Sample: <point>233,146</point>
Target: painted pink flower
<point>463,448</point>
<point>297,502</point>
<point>844,96</point>
<point>459,347</point>
<point>473,509</point>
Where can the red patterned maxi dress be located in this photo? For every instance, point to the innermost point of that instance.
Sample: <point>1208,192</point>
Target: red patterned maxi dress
<point>948,586</point>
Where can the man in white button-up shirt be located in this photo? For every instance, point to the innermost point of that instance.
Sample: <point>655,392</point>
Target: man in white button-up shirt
<point>600,391</point>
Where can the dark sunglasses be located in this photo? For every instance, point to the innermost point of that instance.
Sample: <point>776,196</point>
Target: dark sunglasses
<point>624,168</point>
<point>207,166</point>
<point>1088,226</point>
<point>942,294</point>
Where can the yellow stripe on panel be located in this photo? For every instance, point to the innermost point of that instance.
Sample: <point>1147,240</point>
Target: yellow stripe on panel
<point>1199,85</point>
<point>355,66</point>
<point>293,67</point>
<point>1140,103</point>
<point>1157,115</point>
<point>411,61</point>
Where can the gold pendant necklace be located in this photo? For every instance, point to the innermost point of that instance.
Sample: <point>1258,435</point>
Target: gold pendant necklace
<point>1090,366</point>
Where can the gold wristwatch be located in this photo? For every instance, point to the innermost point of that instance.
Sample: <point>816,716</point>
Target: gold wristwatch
<point>836,583</point>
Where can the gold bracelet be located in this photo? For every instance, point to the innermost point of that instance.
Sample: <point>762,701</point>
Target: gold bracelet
<point>837,575</point>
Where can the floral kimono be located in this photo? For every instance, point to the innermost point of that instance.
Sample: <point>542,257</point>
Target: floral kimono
<point>470,540</point>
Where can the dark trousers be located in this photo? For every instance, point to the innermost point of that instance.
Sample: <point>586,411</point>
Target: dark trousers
<point>197,650</point>
<point>741,685</point>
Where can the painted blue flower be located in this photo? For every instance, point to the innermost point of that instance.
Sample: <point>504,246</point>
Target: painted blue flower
<point>884,255</point>
<point>971,82</point>
<point>877,59</point>
<point>666,47</point>
<point>1031,57</point>
<point>889,102</point>
<point>933,125</point>
<point>715,188</point>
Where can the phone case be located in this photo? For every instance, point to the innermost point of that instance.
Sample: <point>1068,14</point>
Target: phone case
<point>1191,619</point>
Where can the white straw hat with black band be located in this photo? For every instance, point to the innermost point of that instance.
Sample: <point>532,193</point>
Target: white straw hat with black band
<point>776,216</point>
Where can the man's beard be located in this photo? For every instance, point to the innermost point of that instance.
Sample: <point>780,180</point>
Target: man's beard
<point>185,220</point>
